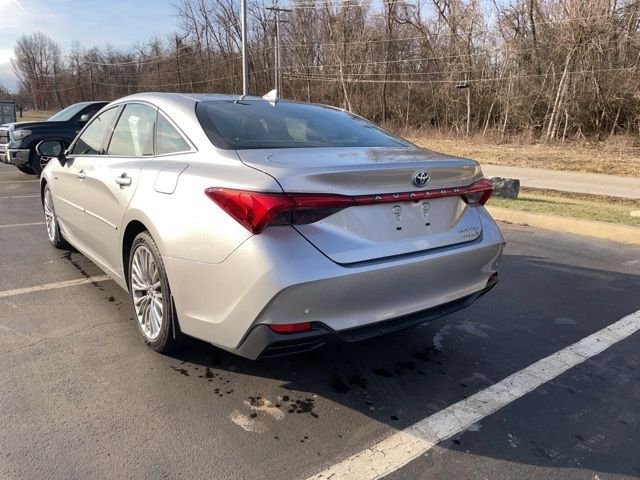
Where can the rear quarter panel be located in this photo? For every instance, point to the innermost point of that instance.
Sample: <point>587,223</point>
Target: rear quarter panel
<point>184,222</point>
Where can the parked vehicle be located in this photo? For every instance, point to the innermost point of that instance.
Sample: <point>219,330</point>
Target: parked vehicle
<point>18,140</point>
<point>265,227</point>
<point>7,111</point>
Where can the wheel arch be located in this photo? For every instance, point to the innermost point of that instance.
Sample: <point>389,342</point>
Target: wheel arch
<point>135,225</point>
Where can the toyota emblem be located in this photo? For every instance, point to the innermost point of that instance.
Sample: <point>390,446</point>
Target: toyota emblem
<point>421,178</point>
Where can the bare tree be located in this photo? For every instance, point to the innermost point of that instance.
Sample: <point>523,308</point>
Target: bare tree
<point>548,70</point>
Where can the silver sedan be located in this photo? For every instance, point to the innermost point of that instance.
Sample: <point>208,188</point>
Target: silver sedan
<point>266,227</point>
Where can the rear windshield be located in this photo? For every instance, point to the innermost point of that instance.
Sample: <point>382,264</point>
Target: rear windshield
<point>259,124</point>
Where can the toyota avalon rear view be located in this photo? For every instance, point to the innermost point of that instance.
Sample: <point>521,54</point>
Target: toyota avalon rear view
<point>265,227</point>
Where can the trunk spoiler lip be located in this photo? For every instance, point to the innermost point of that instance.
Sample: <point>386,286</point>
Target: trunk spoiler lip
<point>364,157</point>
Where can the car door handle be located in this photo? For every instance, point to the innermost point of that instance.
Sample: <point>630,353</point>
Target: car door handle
<point>81,175</point>
<point>123,180</point>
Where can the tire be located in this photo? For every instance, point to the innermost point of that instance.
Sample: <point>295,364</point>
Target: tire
<point>151,296</point>
<point>51,221</point>
<point>26,169</point>
<point>34,162</point>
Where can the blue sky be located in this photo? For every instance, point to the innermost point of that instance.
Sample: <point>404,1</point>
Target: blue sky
<point>120,23</point>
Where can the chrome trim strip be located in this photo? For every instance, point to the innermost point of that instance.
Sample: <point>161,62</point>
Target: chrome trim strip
<point>98,217</point>
<point>69,203</point>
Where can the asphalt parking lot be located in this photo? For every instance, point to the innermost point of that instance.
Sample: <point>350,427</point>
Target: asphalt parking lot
<point>82,397</point>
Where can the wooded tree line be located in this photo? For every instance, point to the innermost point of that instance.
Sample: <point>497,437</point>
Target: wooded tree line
<point>540,68</point>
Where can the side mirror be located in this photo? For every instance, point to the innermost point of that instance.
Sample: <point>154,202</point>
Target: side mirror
<point>52,149</point>
<point>85,118</point>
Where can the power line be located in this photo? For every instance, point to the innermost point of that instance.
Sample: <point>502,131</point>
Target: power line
<point>427,59</point>
<point>134,63</point>
<point>297,76</point>
<point>137,77</point>
<point>148,74</point>
<point>161,85</point>
<point>310,6</point>
<point>194,68</point>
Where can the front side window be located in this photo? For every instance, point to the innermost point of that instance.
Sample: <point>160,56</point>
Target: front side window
<point>168,139</point>
<point>91,140</point>
<point>133,134</point>
<point>259,124</point>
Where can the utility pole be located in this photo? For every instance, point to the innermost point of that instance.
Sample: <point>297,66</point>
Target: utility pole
<point>277,52</point>
<point>245,73</point>
<point>93,96</point>
<point>179,41</point>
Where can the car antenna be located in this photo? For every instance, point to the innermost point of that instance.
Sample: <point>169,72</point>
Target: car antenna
<point>272,97</point>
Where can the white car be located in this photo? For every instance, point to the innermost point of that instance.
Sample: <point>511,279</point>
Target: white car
<point>265,227</point>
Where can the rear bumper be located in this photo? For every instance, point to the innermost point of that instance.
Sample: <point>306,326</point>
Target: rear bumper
<point>262,342</point>
<point>278,277</point>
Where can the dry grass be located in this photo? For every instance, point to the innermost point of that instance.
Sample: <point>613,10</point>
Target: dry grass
<point>617,157</point>
<point>34,115</point>
<point>576,205</point>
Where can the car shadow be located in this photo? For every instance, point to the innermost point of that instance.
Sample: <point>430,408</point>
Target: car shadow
<point>538,308</point>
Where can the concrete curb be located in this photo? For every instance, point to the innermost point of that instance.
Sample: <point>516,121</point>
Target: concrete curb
<point>607,231</point>
<point>564,181</point>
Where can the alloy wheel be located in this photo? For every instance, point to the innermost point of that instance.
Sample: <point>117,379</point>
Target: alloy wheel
<point>44,160</point>
<point>50,216</point>
<point>146,289</point>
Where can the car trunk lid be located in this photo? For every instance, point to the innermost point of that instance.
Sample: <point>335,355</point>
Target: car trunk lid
<point>389,225</point>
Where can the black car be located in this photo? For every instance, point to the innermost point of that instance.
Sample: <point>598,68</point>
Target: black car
<point>18,140</point>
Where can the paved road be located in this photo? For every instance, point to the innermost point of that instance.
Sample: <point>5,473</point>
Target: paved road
<point>611,185</point>
<point>82,397</point>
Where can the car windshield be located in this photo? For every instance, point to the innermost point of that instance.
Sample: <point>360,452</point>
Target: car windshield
<point>260,124</point>
<point>68,113</point>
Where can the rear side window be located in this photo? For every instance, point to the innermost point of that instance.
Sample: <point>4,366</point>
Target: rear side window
<point>133,135</point>
<point>168,139</point>
<point>91,140</point>
<point>259,124</point>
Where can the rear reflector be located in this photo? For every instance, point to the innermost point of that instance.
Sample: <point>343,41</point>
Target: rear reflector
<point>256,210</point>
<point>290,327</point>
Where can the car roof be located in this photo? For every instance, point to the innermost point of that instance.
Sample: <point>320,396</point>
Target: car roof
<point>198,97</point>
<point>91,102</point>
<point>171,102</point>
<point>181,99</point>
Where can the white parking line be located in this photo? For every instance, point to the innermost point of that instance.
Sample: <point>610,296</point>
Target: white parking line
<point>52,286</point>
<point>21,196</point>
<point>21,224</point>
<point>399,449</point>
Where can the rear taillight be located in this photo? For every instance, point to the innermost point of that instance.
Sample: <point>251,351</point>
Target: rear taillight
<point>253,210</point>
<point>478,192</point>
<point>257,210</point>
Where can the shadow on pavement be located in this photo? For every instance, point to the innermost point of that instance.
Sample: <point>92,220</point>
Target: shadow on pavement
<point>539,308</point>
